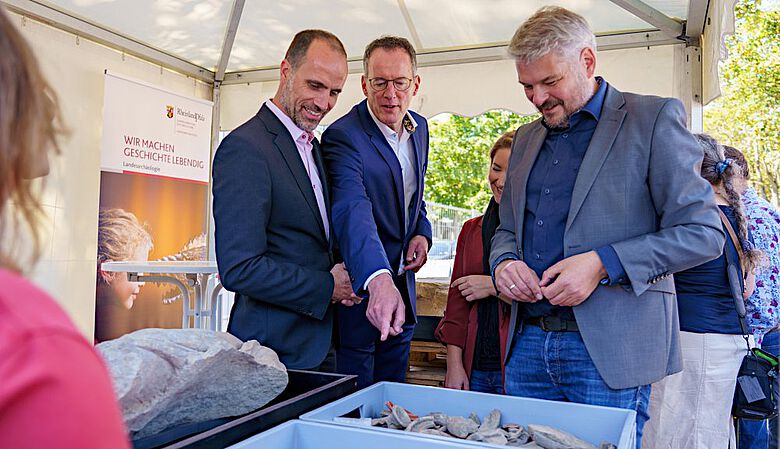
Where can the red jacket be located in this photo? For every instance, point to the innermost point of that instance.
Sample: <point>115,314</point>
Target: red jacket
<point>459,325</point>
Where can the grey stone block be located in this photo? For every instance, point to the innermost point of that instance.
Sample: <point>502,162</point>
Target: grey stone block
<point>168,377</point>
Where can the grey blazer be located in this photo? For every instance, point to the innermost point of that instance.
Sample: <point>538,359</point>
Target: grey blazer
<point>638,189</point>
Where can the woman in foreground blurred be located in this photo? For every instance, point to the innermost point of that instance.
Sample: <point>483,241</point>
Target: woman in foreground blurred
<point>54,389</point>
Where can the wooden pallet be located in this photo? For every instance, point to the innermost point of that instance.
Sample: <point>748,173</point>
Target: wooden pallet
<point>427,364</point>
<point>428,358</point>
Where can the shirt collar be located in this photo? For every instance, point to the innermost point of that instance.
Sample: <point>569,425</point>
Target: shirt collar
<point>387,131</point>
<point>296,132</point>
<point>594,105</point>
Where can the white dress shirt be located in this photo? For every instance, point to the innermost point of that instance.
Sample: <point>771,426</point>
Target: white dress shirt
<point>404,150</point>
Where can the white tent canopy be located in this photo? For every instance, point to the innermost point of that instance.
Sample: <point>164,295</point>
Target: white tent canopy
<point>238,42</point>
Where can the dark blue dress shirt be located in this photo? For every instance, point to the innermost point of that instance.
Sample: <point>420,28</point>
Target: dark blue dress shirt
<point>548,197</point>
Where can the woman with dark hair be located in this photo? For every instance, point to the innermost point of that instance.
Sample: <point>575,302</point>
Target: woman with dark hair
<point>692,409</point>
<point>474,326</point>
<point>54,389</point>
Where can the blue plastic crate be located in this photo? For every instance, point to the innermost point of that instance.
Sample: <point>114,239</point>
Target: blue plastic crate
<point>591,423</point>
<point>310,435</point>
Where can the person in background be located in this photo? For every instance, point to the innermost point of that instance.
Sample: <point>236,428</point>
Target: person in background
<point>692,409</point>
<point>762,306</point>
<point>55,389</point>
<point>474,325</point>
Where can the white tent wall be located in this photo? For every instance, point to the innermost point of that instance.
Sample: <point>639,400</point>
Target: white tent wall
<point>471,89</point>
<point>720,24</point>
<point>75,68</point>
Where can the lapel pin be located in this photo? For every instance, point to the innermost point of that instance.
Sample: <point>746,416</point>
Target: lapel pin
<point>408,125</point>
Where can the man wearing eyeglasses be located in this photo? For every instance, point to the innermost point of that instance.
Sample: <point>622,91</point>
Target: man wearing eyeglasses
<point>376,157</point>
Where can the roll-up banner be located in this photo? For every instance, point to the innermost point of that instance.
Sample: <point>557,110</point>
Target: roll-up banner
<point>153,190</point>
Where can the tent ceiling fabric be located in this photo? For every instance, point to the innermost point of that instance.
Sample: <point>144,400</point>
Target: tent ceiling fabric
<point>188,35</point>
<point>267,27</point>
<point>192,29</point>
<point>189,29</point>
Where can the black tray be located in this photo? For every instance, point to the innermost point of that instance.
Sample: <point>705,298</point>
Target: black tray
<point>306,390</point>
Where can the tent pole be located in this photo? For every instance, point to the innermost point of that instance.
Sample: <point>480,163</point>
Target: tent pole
<point>227,46</point>
<point>63,20</point>
<point>652,16</point>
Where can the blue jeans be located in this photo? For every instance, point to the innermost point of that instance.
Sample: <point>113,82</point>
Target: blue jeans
<point>754,434</point>
<point>771,344</point>
<point>486,381</point>
<point>556,366</point>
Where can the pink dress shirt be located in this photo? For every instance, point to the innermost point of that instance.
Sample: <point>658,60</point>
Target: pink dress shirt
<point>303,142</point>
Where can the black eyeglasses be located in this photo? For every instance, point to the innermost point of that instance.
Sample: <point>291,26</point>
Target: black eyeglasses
<point>401,84</point>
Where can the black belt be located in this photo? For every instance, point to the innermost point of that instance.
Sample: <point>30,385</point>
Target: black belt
<point>552,323</point>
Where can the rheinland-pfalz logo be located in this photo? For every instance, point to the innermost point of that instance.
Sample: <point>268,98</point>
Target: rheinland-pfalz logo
<point>169,111</point>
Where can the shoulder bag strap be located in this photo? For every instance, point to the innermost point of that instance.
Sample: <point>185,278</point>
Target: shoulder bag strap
<point>736,240</point>
<point>733,276</point>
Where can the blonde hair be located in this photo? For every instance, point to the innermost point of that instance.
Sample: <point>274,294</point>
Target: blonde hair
<point>551,28</point>
<point>504,141</point>
<point>120,234</point>
<point>30,124</point>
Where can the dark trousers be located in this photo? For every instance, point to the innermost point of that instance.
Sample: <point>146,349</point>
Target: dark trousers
<point>329,364</point>
<point>360,351</point>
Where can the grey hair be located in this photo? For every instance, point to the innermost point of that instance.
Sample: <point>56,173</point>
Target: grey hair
<point>390,43</point>
<point>549,29</point>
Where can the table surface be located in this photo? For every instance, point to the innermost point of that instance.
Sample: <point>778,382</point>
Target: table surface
<point>137,266</point>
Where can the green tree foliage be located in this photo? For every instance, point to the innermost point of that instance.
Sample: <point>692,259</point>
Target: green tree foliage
<point>747,115</point>
<point>459,156</point>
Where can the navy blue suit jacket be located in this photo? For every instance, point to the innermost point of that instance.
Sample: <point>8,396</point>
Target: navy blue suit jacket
<point>271,244</point>
<point>367,192</point>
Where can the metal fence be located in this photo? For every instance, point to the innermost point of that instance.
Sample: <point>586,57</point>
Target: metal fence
<point>446,221</point>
